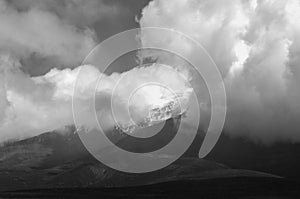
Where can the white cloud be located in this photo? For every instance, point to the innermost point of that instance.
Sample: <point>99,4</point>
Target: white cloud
<point>57,31</point>
<point>44,103</point>
<point>256,47</point>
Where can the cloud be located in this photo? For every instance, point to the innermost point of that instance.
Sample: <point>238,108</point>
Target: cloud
<point>28,106</point>
<point>35,37</point>
<point>40,32</point>
<point>256,46</point>
<point>33,105</point>
<point>77,12</point>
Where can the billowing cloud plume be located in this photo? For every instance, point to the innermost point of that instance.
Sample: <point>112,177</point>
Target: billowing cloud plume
<point>33,105</point>
<point>256,46</point>
<point>28,106</point>
<point>56,34</point>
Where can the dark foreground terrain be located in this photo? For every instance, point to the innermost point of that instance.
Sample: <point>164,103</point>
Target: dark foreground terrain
<point>55,165</point>
<point>237,187</point>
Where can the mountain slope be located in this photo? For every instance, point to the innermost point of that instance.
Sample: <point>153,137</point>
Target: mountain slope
<point>60,160</point>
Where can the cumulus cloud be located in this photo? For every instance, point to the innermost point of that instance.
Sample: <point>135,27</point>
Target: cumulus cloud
<point>44,103</point>
<point>59,33</point>
<point>28,106</point>
<point>255,44</point>
<point>145,95</point>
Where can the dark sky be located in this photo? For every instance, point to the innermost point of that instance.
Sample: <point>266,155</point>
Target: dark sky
<point>104,27</point>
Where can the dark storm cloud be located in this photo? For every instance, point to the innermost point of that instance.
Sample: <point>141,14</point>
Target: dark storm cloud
<point>93,20</point>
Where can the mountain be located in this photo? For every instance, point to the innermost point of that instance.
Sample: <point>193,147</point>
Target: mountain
<point>56,161</point>
<point>237,152</point>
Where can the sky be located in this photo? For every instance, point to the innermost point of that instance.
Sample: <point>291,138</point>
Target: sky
<point>255,45</point>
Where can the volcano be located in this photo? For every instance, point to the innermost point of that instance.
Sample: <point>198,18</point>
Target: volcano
<point>60,161</point>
